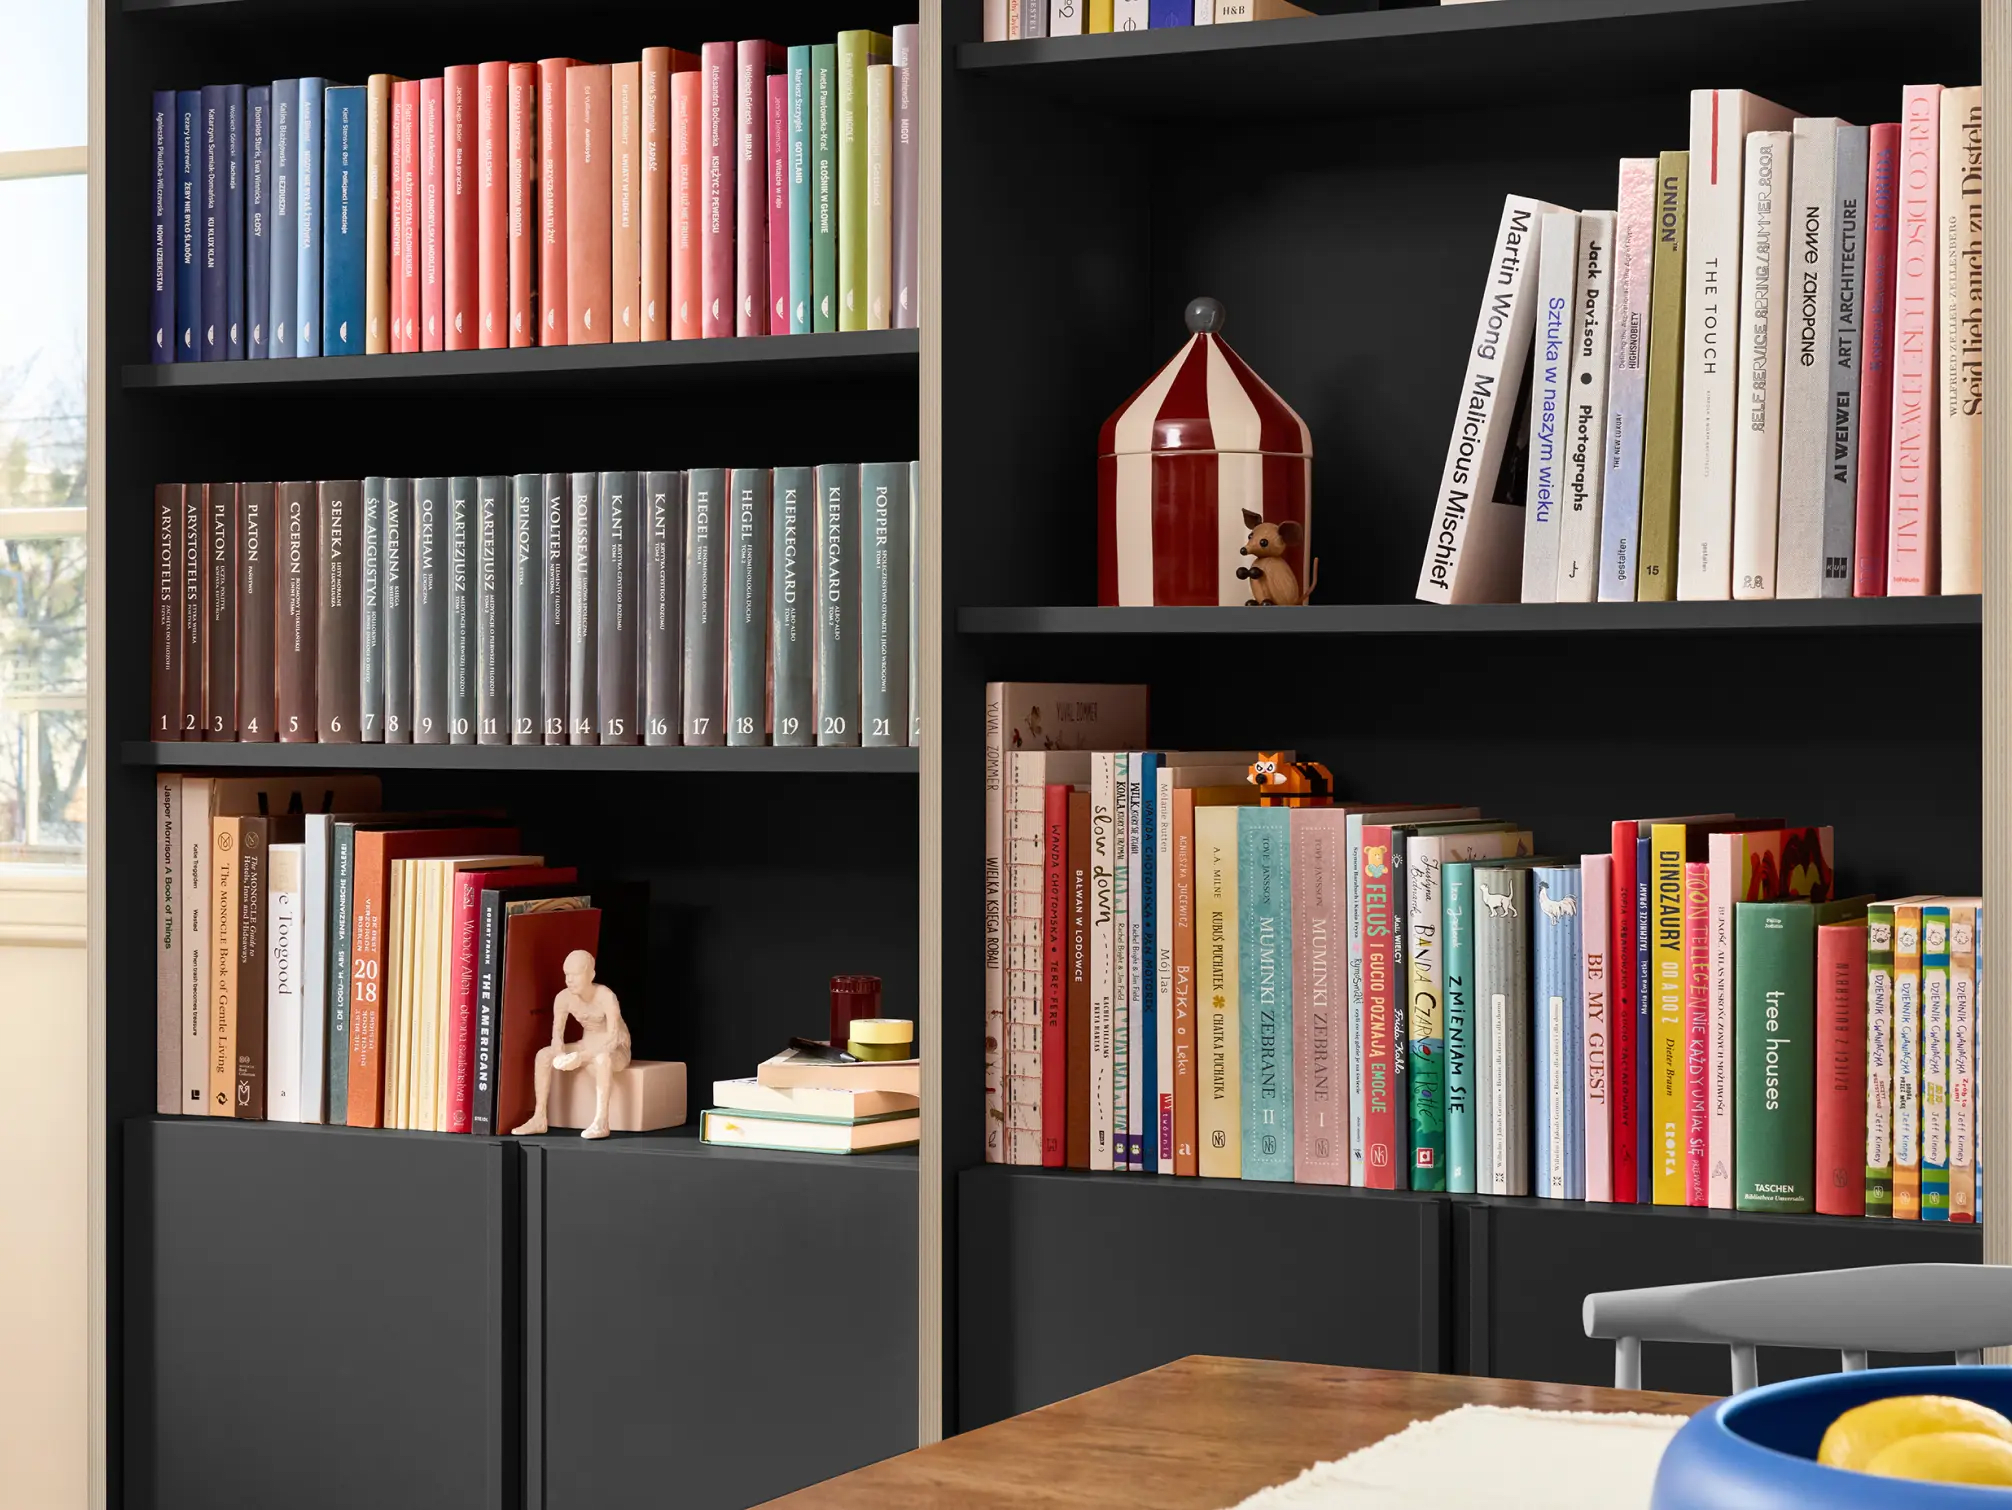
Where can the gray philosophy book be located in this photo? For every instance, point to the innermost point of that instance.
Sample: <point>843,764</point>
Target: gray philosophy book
<point>583,725</point>
<point>370,667</point>
<point>527,596</point>
<point>705,650</point>
<point>461,499</point>
<point>792,577</point>
<point>615,656</point>
<point>429,611</point>
<point>663,603</point>
<point>491,592</point>
<point>837,637</point>
<point>747,606</point>
<point>396,597</point>
<point>883,603</point>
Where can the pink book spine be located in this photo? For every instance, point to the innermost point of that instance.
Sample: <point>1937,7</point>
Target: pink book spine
<point>1596,1002</point>
<point>523,203</point>
<point>716,158</point>
<point>1875,384</point>
<point>751,189</point>
<point>1913,545</point>
<point>687,89</point>
<point>1697,1027</point>
<point>492,204</point>
<point>405,200</point>
<point>551,175</point>
<point>432,291</point>
<point>460,238</point>
<point>1319,979</point>
<point>394,177</point>
<point>778,208</point>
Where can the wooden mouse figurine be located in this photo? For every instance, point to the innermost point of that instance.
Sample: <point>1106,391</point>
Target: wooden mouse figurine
<point>1269,574</point>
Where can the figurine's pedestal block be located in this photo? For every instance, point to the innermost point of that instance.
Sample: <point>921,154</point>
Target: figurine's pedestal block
<point>645,1097</point>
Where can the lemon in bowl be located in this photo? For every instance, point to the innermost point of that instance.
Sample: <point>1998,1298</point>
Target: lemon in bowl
<point>1861,1434</point>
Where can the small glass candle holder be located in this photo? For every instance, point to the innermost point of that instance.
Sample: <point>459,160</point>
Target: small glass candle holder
<point>852,997</point>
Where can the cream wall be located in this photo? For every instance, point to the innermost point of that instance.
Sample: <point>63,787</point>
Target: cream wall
<point>44,1185</point>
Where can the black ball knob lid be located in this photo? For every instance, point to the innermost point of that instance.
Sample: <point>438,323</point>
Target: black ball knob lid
<point>1206,316</point>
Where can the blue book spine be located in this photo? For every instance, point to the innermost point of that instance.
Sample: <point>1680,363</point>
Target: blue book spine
<point>284,234</point>
<point>1645,1058</point>
<point>214,168</point>
<point>234,222</point>
<point>1558,1146</point>
<point>161,291</point>
<point>258,219</point>
<point>1456,881</point>
<point>307,129</point>
<point>1149,975</point>
<point>1264,908</point>
<point>1170,13</point>
<point>799,191</point>
<point>188,225</point>
<point>342,225</point>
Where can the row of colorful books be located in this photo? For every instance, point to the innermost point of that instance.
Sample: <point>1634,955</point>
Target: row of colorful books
<point>349,965</point>
<point>1760,377</point>
<point>717,606</point>
<point>1205,964</point>
<point>1013,20</point>
<point>808,1103</point>
<point>748,189</point>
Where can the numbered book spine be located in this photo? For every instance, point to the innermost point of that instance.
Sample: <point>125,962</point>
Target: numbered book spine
<point>1551,370</point>
<point>282,291</point>
<point>1697,1032</point>
<point>1935,1063</point>
<point>396,587</point>
<point>298,593</point>
<point>1879,919</point>
<point>164,720</point>
<point>1628,380</point>
<point>1840,1069</point>
<point>491,591</point>
<point>257,615</point>
<point>370,669</point>
<point>705,650</point>
<point>1774,1026</point>
<point>838,655</point>
<point>339,630</point>
<point>747,607</point>
<point>1907,1061</point>
<point>583,719</point>
<point>1661,439</point>
<point>615,583</point>
<point>554,598</point>
<point>1960,322</point>
<point>1963,1061</point>
<point>824,186</point>
<point>220,603</point>
<point>1596,874</point>
<point>1913,559</point>
<point>257,218</point>
<point>883,603</point>
<point>663,605</point>
<point>1808,286</point>
<point>462,493</point>
<point>161,245</point>
<point>1847,412</point>
<point>799,169</point>
<point>429,611</point>
<point>793,618</point>
<point>342,229</point>
<point>527,582</point>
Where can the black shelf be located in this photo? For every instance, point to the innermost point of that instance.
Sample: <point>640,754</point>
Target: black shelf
<point>683,1143</point>
<point>1370,61</point>
<point>880,355</point>
<point>1825,615</point>
<point>754,760</point>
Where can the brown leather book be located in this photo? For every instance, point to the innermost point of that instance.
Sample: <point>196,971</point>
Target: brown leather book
<point>165,704</point>
<point>535,946</point>
<point>370,890</point>
<point>220,610</point>
<point>1077,973</point>
<point>194,629</point>
<point>589,200</point>
<point>492,203</point>
<point>625,212</point>
<point>552,302</point>
<point>222,920</point>
<point>296,601</point>
<point>258,616</point>
<point>339,628</point>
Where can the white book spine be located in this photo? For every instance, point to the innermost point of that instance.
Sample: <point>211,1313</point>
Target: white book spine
<point>1913,554</point>
<point>1579,536</point>
<point>1497,1071</point>
<point>1808,286</point>
<point>1475,551</point>
<point>1840,487</point>
<point>196,795</point>
<point>1961,386</point>
<point>1129,15</point>
<point>1723,888</point>
<point>1627,382</point>
<point>1163,967</point>
<point>1065,17</point>
<point>1595,920</point>
<point>1205,12</point>
<point>995,922</point>
<point>1352,890</point>
<point>1026,836</point>
<point>1557,266</point>
<point>1720,121</point>
<point>282,983</point>
<point>317,903</point>
<point>995,21</point>
<point>168,947</point>
<point>1556,1090</point>
<point>1137,1049</point>
<point>1765,284</point>
<point>1103,953</point>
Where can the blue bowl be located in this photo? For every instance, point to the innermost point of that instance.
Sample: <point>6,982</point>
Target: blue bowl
<point>1757,1451</point>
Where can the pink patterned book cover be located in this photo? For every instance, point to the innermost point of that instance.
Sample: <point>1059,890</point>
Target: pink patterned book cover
<point>1913,543</point>
<point>1697,1027</point>
<point>716,194</point>
<point>1597,1035</point>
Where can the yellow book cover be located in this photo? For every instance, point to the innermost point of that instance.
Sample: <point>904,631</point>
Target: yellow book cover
<point>1219,1095</point>
<point>1907,1060</point>
<point>1667,1089</point>
<point>1100,16</point>
<point>223,1061</point>
<point>1663,420</point>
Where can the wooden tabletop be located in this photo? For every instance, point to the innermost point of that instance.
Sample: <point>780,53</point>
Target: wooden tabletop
<point>1198,1434</point>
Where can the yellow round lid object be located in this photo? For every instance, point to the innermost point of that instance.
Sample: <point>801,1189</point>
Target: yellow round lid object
<point>1862,1433</point>
<point>881,1030</point>
<point>876,1051</point>
<point>1951,1457</point>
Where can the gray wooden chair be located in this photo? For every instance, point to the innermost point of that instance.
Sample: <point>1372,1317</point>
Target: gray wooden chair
<point>1892,1308</point>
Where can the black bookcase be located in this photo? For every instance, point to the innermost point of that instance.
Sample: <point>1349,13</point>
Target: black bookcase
<point>320,1316</point>
<point>1336,182</point>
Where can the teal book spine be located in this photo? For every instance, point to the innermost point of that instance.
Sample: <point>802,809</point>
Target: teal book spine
<point>1934,1063</point>
<point>342,223</point>
<point>1264,907</point>
<point>341,891</point>
<point>824,186</point>
<point>1456,893</point>
<point>799,169</point>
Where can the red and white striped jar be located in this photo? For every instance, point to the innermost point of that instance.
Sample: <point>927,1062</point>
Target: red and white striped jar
<point>1179,465</point>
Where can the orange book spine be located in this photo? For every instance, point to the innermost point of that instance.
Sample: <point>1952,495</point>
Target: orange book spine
<point>625,210</point>
<point>492,203</point>
<point>552,307</point>
<point>369,882</point>
<point>461,231</point>
<point>1186,1159</point>
<point>589,189</point>
<point>686,269</point>
<point>378,275</point>
<point>523,185</point>
<point>653,256</point>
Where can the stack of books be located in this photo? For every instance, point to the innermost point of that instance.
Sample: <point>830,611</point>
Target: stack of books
<point>746,189</point>
<point>1760,376</point>
<point>811,1104</point>
<point>718,606</point>
<point>1012,20</point>
<point>1190,980</point>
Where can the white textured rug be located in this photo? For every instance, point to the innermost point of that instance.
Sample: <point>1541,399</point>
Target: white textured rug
<point>1491,1457</point>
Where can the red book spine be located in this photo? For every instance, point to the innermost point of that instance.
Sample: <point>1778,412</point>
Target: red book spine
<point>1913,538</point>
<point>552,200</point>
<point>589,201</point>
<point>461,1025</point>
<point>1054,977</point>
<point>1697,1031</point>
<point>405,196</point>
<point>395,201</point>
<point>166,720</point>
<point>523,202</point>
<point>1840,1069</point>
<point>1379,1066</point>
<point>1875,387</point>
<point>625,132</point>
<point>716,160</point>
<point>653,256</point>
<point>1621,975</point>
<point>492,203</point>
<point>778,204</point>
<point>686,199</point>
<point>460,240</point>
<point>432,285</point>
<point>756,61</point>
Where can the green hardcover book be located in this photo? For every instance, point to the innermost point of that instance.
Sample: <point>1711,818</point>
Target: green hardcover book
<point>1774,1050</point>
<point>1879,1059</point>
<point>856,50</point>
<point>798,172</point>
<point>1264,920</point>
<point>824,186</point>
<point>1662,426</point>
<point>1457,891</point>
